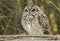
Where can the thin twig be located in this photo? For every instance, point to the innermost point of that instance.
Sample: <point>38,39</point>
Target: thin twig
<point>55,5</point>
<point>5,6</point>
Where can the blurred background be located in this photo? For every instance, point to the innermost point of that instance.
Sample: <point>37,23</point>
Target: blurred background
<point>11,11</point>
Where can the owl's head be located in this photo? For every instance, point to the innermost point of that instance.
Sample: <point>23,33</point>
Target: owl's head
<point>31,11</point>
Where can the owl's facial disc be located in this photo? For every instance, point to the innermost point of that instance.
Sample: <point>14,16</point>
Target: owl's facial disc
<point>31,11</point>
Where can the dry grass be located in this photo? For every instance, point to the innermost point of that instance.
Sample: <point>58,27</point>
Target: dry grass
<point>11,10</point>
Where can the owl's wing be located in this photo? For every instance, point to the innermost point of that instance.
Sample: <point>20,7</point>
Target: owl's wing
<point>44,22</point>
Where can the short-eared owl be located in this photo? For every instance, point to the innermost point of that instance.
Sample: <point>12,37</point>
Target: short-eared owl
<point>34,21</point>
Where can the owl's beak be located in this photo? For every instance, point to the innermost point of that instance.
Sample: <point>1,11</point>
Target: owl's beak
<point>29,13</point>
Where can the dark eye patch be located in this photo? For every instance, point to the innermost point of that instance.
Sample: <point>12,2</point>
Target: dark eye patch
<point>37,10</point>
<point>26,10</point>
<point>33,10</point>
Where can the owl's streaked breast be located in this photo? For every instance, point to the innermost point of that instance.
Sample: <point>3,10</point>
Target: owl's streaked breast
<point>32,27</point>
